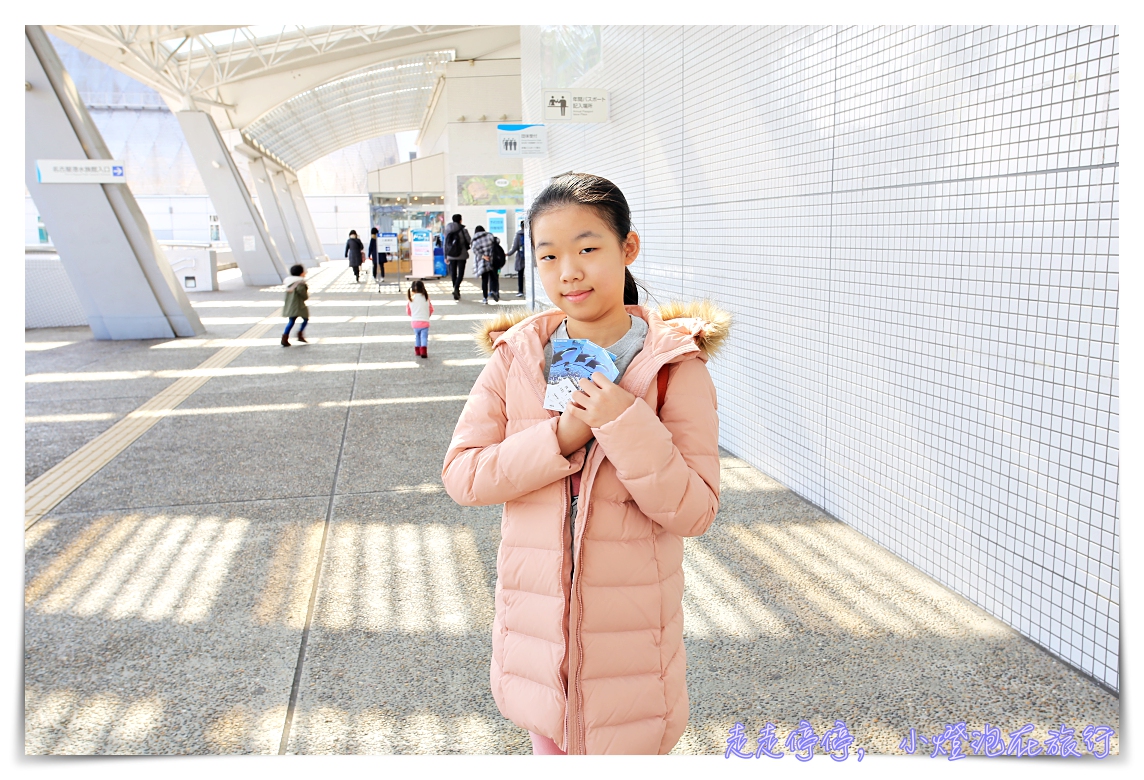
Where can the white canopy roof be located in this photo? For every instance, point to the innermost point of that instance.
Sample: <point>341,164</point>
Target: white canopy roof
<point>297,92</point>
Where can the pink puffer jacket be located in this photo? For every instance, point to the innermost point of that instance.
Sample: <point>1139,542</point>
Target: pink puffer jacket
<point>615,682</point>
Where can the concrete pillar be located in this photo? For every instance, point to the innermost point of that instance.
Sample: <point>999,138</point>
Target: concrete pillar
<point>289,211</point>
<point>254,250</point>
<point>119,271</point>
<point>307,221</point>
<point>272,211</point>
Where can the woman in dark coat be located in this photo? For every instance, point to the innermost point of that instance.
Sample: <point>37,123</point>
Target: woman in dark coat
<point>518,250</point>
<point>355,251</point>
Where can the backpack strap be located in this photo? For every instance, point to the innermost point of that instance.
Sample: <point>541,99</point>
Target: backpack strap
<point>661,387</point>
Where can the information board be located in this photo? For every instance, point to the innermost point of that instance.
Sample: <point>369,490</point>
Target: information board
<point>575,105</point>
<point>80,172</point>
<point>522,140</point>
<point>421,249</point>
<point>496,219</point>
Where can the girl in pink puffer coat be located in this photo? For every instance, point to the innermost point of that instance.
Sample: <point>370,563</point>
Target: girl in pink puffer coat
<point>587,639</point>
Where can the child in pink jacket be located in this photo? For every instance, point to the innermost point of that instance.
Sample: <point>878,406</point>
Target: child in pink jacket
<point>419,310</point>
<point>587,645</point>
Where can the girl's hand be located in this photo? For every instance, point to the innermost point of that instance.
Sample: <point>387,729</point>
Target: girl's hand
<point>572,434</point>
<point>598,401</point>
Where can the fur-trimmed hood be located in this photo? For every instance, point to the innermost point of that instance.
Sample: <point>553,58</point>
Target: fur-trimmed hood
<point>705,322</point>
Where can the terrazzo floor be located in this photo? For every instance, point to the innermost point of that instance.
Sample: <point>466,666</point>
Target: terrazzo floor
<point>166,599</point>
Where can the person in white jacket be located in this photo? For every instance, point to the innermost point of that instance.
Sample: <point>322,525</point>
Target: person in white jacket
<point>419,310</point>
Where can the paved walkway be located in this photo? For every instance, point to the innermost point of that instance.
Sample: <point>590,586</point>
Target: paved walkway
<point>293,502</point>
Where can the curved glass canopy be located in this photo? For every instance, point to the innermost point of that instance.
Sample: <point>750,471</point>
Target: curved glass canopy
<point>377,100</point>
<point>296,92</point>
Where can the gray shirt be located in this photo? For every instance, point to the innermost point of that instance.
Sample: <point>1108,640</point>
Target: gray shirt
<point>625,349</point>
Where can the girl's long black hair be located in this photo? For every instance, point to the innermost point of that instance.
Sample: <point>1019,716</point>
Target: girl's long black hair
<point>598,194</point>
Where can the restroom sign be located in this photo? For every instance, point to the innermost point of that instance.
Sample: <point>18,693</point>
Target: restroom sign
<point>522,140</point>
<point>575,105</point>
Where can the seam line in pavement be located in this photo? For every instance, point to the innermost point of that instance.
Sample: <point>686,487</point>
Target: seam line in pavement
<point>42,494</point>
<point>296,684</point>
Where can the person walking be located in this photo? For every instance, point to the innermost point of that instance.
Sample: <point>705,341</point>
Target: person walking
<point>419,309</point>
<point>587,638</point>
<point>378,259</point>
<point>518,251</point>
<point>356,253</point>
<point>483,265</point>
<point>457,243</point>
<point>295,304</point>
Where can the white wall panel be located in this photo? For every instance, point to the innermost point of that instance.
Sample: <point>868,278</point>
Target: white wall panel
<point>916,231</point>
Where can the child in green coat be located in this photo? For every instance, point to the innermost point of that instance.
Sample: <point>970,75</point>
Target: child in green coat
<point>295,306</point>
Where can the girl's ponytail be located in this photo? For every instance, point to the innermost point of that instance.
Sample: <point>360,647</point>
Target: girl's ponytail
<point>631,291</point>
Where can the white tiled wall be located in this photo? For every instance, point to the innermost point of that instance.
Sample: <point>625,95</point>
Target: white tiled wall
<point>916,232</point>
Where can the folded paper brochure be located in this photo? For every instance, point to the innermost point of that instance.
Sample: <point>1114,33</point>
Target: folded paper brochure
<point>573,360</point>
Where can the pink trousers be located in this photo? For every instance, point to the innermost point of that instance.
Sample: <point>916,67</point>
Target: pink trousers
<point>543,746</point>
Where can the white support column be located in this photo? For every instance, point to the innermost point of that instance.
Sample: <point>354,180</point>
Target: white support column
<point>305,219</point>
<point>289,212</point>
<point>119,271</point>
<point>272,211</point>
<point>254,250</point>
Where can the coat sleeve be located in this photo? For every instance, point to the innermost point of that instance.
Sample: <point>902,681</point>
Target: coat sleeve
<point>671,466</point>
<point>482,465</point>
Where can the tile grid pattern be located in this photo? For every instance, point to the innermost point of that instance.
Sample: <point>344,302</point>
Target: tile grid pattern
<point>916,230</point>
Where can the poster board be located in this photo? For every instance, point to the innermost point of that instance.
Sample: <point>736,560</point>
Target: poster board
<point>421,250</point>
<point>496,221</point>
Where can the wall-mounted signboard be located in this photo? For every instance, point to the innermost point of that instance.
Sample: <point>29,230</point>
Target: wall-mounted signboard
<point>575,105</point>
<point>80,172</point>
<point>497,220</point>
<point>522,140</point>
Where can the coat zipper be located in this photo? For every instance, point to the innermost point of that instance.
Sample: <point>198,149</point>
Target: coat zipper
<point>567,697</point>
<point>577,596</point>
<point>579,599</point>
<point>586,485</point>
<point>567,502</point>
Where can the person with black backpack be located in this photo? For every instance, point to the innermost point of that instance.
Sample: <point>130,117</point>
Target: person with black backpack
<point>498,256</point>
<point>457,243</point>
<point>483,253</point>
